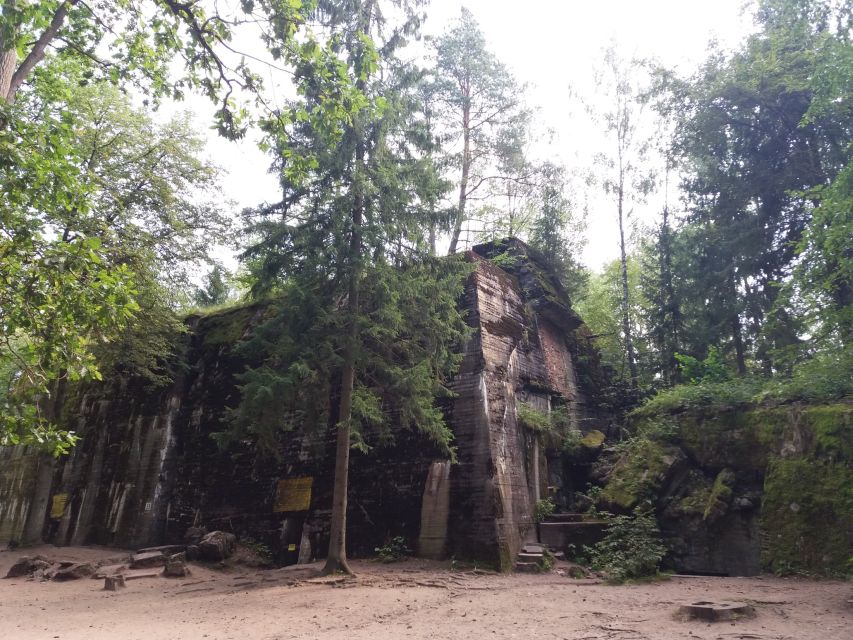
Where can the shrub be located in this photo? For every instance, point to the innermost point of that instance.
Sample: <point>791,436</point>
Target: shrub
<point>826,376</point>
<point>543,509</point>
<point>631,547</point>
<point>394,550</point>
<point>717,396</point>
<point>260,549</point>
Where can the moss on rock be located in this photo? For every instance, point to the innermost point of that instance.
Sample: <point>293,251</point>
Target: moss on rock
<point>593,440</point>
<point>794,458</point>
<point>226,328</point>
<point>807,513</point>
<point>640,473</point>
<point>832,426</point>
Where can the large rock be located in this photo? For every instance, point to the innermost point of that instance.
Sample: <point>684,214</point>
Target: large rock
<point>217,545</point>
<point>27,566</point>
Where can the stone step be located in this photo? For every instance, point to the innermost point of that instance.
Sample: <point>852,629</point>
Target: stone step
<point>529,557</point>
<point>528,567</point>
<point>532,548</point>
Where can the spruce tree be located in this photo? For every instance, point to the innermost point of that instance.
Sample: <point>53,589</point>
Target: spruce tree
<point>367,317</point>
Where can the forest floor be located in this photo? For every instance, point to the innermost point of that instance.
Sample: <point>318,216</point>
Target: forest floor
<point>410,599</point>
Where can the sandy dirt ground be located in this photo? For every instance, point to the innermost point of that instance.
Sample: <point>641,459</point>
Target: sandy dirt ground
<point>411,599</point>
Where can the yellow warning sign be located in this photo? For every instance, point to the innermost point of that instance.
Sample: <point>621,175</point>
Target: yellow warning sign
<point>58,506</point>
<point>293,494</point>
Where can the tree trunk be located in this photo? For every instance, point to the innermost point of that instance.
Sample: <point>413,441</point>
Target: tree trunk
<point>336,560</point>
<point>8,56</point>
<point>738,340</point>
<point>672,309</point>
<point>9,84</point>
<point>40,503</point>
<point>8,64</point>
<point>626,318</point>
<point>463,183</point>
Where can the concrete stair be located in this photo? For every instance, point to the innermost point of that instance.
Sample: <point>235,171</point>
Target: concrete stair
<point>560,534</point>
<point>531,558</point>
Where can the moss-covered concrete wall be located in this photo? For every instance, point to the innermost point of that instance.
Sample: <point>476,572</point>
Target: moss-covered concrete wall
<point>738,491</point>
<point>147,469</point>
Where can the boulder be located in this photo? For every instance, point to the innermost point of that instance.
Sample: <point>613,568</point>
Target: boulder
<point>74,572</point>
<point>217,545</point>
<point>27,566</point>
<point>148,559</point>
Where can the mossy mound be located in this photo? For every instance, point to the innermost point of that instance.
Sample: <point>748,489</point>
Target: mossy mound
<point>228,326</point>
<point>786,468</point>
<point>807,514</point>
<point>593,440</point>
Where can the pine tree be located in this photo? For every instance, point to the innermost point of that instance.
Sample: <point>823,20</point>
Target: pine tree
<point>477,100</point>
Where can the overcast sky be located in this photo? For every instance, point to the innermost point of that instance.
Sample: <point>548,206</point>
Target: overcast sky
<point>551,45</point>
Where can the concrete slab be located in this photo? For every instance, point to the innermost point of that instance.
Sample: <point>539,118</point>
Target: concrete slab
<point>715,611</point>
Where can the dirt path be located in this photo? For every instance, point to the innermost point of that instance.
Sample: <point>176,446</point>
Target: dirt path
<point>413,599</point>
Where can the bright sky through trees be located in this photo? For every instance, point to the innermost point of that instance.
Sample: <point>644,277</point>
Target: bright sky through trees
<point>552,46</point>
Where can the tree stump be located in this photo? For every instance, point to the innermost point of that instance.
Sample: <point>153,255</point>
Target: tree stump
<point>113,583</point>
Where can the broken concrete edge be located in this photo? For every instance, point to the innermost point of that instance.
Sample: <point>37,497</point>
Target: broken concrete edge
<point>711,611</point>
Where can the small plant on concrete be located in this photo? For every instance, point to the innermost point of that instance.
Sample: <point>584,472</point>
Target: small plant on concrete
<point>394,550</point>
<point>543,509</point>
<point>631,547</point>
<point>547,561</point>
<point>533,419</point>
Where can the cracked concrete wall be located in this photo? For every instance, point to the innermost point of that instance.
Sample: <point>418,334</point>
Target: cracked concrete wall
<point>515,355</point>
<point>146,468</point>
